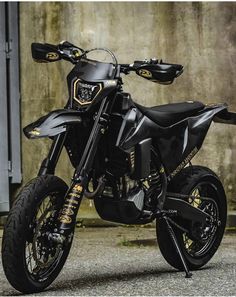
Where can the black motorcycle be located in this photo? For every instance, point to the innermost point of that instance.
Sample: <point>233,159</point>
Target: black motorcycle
<point>133,161</point>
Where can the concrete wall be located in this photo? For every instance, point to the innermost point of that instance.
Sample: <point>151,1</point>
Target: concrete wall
<point>201,36</point>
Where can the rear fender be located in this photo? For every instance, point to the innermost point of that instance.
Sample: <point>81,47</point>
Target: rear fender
<point>136,127</point>
<point>54,123</point>
<point>176,144</point>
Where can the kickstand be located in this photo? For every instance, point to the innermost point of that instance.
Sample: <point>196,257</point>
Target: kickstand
<point>175,242</point>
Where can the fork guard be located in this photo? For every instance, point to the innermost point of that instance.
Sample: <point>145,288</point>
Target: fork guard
<point>54,123</point>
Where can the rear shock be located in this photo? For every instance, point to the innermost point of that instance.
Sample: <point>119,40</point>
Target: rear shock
<point>158,182</point>
<point>154,188</point>
<point>154,178</point>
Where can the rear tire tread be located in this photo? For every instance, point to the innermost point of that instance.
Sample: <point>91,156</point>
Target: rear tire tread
<point>180,184</point>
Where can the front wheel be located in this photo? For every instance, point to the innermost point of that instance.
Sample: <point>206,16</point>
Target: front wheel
<point>31,261</point>
<point>199,246</point>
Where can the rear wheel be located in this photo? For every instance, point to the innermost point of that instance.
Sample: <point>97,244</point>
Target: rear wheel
<point>32,261</point>
<point>202,242</point>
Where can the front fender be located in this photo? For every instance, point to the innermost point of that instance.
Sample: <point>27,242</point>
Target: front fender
<point>52,124</point>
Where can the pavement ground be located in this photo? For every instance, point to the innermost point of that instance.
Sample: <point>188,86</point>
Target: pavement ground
<point>117,261</point>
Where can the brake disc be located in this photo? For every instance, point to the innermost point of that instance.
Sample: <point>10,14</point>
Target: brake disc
<point>36,255</point>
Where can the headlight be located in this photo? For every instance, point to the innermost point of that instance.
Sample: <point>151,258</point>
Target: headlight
<point>84,93</point>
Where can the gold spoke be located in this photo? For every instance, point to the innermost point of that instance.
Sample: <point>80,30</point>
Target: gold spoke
<point>30,257</point>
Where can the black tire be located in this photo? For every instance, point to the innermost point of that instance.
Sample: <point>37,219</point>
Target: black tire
<point>19,234</point>
<point>187,181</point>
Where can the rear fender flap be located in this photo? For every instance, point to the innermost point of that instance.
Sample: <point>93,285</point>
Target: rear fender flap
<point>54,123</point>
<point>225,117</point>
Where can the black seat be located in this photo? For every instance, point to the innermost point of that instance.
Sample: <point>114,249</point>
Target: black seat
<point>169,114</point>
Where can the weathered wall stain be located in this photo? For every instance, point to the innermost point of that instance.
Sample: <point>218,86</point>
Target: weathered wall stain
<point>201,36</point>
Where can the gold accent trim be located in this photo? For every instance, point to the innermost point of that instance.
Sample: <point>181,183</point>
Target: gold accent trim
<point>145,73</point>
<point>72,200</point>
<point>78,100</point>
<point>65,219</point>
<point>73,195</point>
<point>162,170</point>
<point>35,132</point>
<point>184,162</point>
<point>52,56</point>
<point>78,188</point>
<point>132,159</point>
<point>70,206</point>
<point>67,211</point>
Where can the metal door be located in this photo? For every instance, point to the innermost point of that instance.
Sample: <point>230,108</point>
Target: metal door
<point>10,154</point>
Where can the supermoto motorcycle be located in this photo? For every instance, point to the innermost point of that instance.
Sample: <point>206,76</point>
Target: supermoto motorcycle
<point>133,161</point>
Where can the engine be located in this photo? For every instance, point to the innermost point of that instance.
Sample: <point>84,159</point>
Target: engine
<point>129,201</point>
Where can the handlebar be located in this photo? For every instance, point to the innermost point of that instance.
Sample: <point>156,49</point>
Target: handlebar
<point>150,69</point>
<point>73,54</point>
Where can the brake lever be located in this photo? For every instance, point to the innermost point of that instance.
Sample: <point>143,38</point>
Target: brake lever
<point>65,44</point>
<point>70,52</point>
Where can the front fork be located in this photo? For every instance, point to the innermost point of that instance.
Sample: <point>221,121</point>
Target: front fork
<point>67,217</point>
